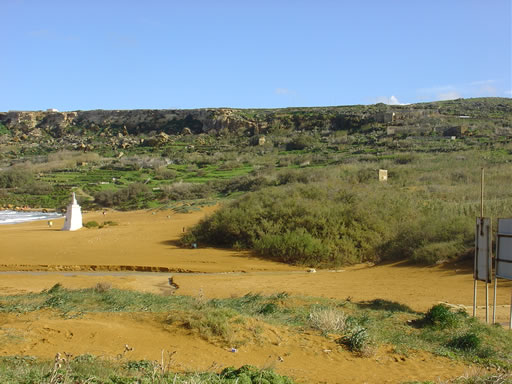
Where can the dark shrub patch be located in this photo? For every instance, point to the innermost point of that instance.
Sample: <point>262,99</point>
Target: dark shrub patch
<point>440,316</point>
<point>467,342</point>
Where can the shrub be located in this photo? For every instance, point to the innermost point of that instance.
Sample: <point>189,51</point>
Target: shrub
<point>106,198</point>
<point>164,173</point>
<point>186,191</point>
<point>357,340</point>
<point>38,188</point>
<point>440,316</point>
<point>328,320</point>
<point>487,378</point>
<point>55,288</point>
<point>405,158</point>
<point>252,182</point>
<point>251,375</point>
<point>299,142</point>
<point>134,196</point>
<point>314,224</point>
<point>15,178</point>
<point>268,309</point>
<point>467,342</point>
<point>431,237</point>
<point>91,224</point>
<point>208,322</point>
<point>103,286</point>
<point>295,247</point>
<point>437,252</point>
<point>386,305</point>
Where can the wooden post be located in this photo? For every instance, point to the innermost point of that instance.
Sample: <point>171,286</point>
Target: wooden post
<point>494,301</point>
<point>510,321</point>
<point>475,284</point>
<point>481,228</point>
<point>474,298</point>
<point>482,193</point>
<point>486,302</point>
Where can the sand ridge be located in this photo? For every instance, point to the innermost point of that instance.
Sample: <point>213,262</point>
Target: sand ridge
<point>308,357</point>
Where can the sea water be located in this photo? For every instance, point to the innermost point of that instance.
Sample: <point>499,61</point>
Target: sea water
<point>15,217</point>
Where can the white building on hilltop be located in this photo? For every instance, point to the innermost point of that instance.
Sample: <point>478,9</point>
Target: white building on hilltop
<point>73,216</point>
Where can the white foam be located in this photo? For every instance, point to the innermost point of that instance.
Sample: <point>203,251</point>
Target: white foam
<point>15,217</point>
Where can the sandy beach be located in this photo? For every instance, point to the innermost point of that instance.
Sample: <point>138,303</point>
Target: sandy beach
<point>146,241</point>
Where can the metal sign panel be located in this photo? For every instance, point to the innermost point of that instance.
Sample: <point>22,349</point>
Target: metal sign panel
<point>504,249</point>
<point>483,246</point>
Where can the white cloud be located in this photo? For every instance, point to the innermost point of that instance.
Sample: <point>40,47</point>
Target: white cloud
<point>388,100</point>
<point>436,89</point>
<point>450,95</point>
<point>488,90</point>
<point>282,91</point>
<point>123,40</point>
<point>394,101</point>
<point>478,88</point>
<point>482,82</point>
<point>42,33</point>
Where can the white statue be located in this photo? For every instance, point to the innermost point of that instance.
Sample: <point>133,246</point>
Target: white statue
<point>73,216</point>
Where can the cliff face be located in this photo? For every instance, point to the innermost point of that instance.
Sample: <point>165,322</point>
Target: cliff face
<point>39,126</point>
<point>128,121</point>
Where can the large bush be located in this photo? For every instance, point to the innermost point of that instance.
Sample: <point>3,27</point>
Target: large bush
<point>325,223</point>
<point>186,191</point>
<point>134,196</point>
<point>15,178</point>
<point>306,224</point>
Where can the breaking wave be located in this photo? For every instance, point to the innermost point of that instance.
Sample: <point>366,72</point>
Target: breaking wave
<point>15,217</point>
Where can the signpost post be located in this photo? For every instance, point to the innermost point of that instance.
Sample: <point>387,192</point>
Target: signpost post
<point>483,261</point>
<point>483,253</point>
<point>504,255</point>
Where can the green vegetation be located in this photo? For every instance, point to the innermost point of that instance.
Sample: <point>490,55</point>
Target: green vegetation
<point>84,369</point>
<point>357,327</point>
<point>357,340</point>
<point>341,214</point>
<point>3,129</point>
<point>440,316</point>
<point>487,378</point>
<point>307,194</point>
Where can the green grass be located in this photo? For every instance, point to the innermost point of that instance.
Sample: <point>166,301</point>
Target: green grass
<point>359,327</point>
<point>87,369</point>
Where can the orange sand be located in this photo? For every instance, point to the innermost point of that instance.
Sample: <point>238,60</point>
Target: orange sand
<point>145,240</point>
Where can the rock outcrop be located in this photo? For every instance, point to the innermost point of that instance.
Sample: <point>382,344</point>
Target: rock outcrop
<point>126,128</point>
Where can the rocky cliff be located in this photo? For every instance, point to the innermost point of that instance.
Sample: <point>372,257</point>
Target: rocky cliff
<point>127,127</point>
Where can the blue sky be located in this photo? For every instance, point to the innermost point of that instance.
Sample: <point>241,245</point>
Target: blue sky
<point>127,54</point>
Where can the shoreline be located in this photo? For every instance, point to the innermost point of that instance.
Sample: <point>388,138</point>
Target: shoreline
<point>9,216</point>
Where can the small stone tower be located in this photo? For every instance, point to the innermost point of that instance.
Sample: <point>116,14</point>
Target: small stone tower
<point>73,216</point>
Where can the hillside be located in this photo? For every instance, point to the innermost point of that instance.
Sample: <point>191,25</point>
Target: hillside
<point>122,129</point>
<point>296,185</point>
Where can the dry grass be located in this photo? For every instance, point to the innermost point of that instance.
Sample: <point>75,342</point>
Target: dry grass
<point>328,320</point>
<point>103,286</point>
